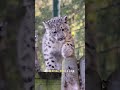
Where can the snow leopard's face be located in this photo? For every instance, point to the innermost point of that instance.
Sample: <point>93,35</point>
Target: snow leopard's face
<point>57,27</point>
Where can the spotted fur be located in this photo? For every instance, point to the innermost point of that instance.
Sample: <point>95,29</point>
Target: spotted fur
<point>56,34</point>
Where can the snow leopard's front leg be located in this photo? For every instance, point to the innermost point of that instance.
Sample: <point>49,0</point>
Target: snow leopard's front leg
<point>70,80</point>
<point>82,72</point>
<point>52,62</point>
<point>52,55</point>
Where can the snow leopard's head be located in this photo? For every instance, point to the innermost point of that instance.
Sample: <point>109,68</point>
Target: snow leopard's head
<point>57,27</point>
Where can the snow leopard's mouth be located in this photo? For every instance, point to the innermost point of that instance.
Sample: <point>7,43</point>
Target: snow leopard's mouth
<point>61,39</point>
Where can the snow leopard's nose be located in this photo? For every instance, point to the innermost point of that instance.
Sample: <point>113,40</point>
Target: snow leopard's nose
<point>60,39</point>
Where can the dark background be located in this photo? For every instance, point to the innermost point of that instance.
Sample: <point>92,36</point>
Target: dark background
<point>102,44</point>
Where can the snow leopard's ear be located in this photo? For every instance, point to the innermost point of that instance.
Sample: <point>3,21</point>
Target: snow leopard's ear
<point>45,25</point>
<point>65,19</point>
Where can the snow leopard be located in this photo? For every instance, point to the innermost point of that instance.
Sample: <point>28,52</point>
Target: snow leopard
<point>56,34</point>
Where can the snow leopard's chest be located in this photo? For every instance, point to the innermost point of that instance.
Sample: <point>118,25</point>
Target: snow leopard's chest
<point>50,44</point>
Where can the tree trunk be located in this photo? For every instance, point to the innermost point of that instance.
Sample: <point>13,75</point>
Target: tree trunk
<point>113,82</point>
<point>37,65</point>
<point>26,46</point>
